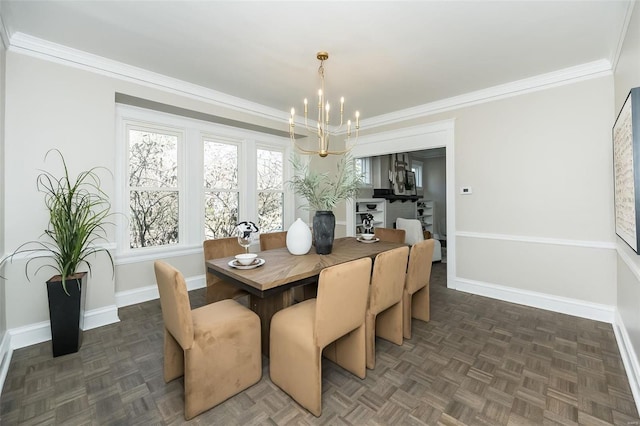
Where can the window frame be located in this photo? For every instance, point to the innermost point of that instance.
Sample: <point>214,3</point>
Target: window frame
<point>415,166</point>
<point>190,176</point>
<point>367,180</point>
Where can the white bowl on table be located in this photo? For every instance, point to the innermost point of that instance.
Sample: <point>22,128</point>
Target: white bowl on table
<point>367,237</point>
<point>246,258</point>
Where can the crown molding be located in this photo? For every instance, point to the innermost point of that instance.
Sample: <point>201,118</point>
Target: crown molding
<point>615,57</point>
<point>561,77</point>
<point>43,49</point>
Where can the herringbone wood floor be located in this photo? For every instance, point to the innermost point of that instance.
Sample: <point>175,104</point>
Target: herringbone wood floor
<point>477,362</point>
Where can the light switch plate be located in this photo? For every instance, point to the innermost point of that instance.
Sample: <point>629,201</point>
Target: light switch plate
<point>465,190</point>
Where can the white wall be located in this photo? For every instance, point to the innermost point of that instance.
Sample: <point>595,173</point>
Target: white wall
<point>626,77</point>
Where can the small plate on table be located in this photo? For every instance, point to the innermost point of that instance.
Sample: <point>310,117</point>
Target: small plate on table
<point>257,262</point>
<point>373,240</point>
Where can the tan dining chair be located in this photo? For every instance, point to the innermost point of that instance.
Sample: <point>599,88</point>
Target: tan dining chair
<point>217,288</point>
<point>415,299</point>
<point>391,235</point>
<point>384,311</point>
<point>274,240</point>
<point>215,347</point>
<point>300,332</point>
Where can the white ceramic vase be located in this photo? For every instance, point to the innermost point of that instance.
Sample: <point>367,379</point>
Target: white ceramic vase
<point>299,238</point>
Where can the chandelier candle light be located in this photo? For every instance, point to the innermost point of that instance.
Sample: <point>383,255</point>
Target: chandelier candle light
<point>323,129</point>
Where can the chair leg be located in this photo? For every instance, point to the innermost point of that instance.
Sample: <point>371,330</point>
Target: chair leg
<point>389,324</point>
<point>406,314</point>
<point>420,304</point>
<point>370,339</point>
<point>173,358</point>
<point>350,352</point>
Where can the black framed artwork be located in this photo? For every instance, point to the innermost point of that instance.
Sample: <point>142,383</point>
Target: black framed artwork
<point>626,169</point>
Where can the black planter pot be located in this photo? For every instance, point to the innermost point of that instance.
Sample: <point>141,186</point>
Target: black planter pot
<point>324,225</point>
<point>66,312</point>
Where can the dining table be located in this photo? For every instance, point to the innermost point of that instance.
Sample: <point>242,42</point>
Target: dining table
<point>270,285</point>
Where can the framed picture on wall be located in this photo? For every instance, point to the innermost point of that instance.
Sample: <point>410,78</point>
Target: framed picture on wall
<point>410,184</point>
<point>626,169</point>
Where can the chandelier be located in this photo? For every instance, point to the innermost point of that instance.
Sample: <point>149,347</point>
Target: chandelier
<point>322,128</point>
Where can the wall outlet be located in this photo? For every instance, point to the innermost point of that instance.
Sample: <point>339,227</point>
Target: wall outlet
<point>465,190</point>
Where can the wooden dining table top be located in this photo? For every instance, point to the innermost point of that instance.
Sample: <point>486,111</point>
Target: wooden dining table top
<point>283,270</point>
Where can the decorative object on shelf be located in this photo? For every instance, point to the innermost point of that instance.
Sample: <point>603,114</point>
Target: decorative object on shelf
<point>372,206</point>
<point>246,232</point>
<point>78,213</point>
<point>322,127</point>
<point>299,238</point>
<point>323,192</point>
<point>626,149</point>
<point>399,164</point>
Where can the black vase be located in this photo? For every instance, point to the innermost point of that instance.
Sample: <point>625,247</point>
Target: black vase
<point>66,312</point>
<point>324,225</point>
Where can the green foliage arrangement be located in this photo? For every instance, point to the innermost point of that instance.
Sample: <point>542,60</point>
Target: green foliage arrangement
<point>78,212</point>
<point>322,191</point>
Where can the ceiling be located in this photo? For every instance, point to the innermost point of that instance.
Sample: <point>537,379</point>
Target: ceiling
<point>385,56</point>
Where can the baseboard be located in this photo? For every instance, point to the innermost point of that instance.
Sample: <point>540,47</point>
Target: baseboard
<point>150,292</point>
<point>578,308</point>
<point>41,332</point>
<point>5,357</point>
<point>98,317</point>
<point>629,357</point>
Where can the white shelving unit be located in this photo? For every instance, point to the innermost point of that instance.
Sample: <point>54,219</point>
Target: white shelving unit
<point>428,214</point>
<point>362,208</point>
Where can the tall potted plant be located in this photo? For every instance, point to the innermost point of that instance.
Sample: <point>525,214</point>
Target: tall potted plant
<point>323,191</point>
<point>78,211</point>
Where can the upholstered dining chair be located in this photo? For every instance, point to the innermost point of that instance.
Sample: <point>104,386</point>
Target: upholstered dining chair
<point>391,235</point>
<point>215,347</point>
<point>300,332</point>
<point>414,234</point>
<point>384,311</point>
<point>217,288</point>
<point>415,299</point>
<point>274,240</point>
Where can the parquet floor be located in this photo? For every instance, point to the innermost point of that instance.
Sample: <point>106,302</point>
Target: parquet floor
<point>477,362</point>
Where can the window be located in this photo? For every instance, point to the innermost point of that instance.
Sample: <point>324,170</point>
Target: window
<point>270,184</point>
<point>416,167</point>
<point>181,181</point>
<point>153,188</point>
<point>221,195</point>
<point>363,166</point>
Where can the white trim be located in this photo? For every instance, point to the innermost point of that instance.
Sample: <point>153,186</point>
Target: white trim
<point>629,357</point>
<point>595,69</point>
<point>538,240</point>
<point>623,33</point>
<point>150,292</point>
<point>39,332</point>
<point>564,305</point>
<point>102,316</point>
<point>5,357</point>
<point>43,49</point>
